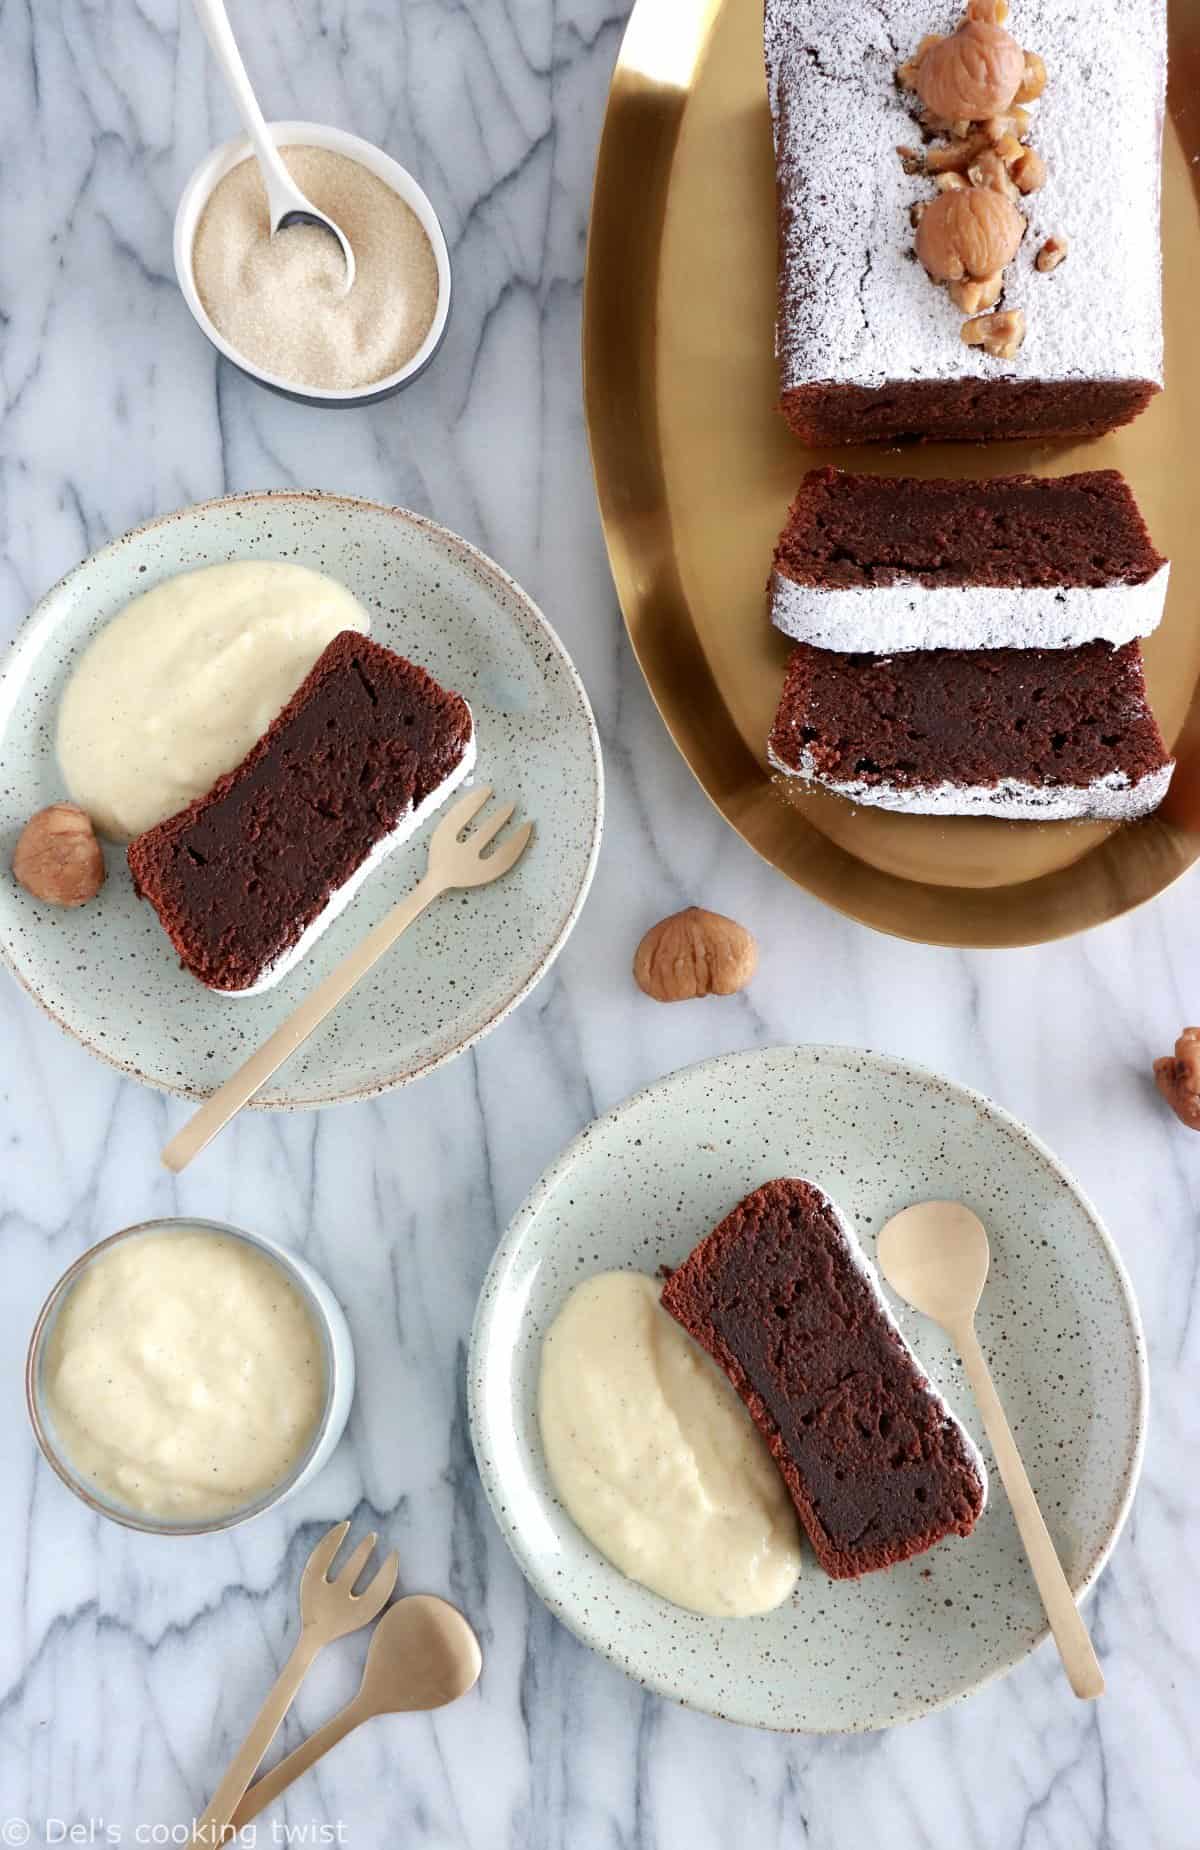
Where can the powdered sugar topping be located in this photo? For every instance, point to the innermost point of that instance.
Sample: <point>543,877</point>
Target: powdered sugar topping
<point>910,615</point>
<point>1111,798</point>
<point>855,305</point>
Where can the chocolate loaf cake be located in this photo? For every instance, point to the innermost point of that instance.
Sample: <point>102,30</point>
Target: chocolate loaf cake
<point>1033,733</point>
<point>247,877</point>
<point>881,563</point>
<point>784,1300</point>
<point>868,347</point>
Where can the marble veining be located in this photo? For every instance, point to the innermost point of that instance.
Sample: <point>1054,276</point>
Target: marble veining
<point>129,1666</point>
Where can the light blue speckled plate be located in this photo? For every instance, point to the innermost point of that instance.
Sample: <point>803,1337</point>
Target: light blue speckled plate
<point>1058,1323</point>
<point>107,972</point>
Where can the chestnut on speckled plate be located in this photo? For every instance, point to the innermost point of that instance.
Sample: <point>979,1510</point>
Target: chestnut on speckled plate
<point>1058,1321</point>
<point>107,972</point>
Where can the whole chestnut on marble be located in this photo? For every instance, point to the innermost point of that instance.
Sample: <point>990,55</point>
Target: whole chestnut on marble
<point>695,953</point>
<point>1177,1077</point>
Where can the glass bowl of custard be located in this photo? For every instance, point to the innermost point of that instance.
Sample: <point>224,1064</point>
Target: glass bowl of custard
<point>184,1376</point>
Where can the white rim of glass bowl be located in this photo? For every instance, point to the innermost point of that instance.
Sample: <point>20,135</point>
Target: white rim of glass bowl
<point>229,155</point>
<point>327,1314</point>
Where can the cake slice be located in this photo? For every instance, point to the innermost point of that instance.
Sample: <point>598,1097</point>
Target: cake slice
<point>246,878</point>
<point>785,1301</point>
<point>880,563</point>
<point>1045,734</point>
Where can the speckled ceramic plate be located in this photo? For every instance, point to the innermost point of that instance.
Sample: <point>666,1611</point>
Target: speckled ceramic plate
<point>1058,1322</point>
<point>107,973</point>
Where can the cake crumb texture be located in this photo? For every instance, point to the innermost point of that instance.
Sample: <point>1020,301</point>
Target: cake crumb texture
<point>782,1298</point>
<point>1058,732</point>
<point>238,876</point>
<point>846,530</point>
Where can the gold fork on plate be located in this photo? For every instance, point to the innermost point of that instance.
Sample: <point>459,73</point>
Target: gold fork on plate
<point>328,1610</point>
<point>453,864</point>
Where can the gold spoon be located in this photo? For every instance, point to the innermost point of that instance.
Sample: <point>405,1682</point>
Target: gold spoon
<point>936,1256</point>
<point>422,1655</point>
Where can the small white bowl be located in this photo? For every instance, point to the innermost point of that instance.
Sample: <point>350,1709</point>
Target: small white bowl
<point>221,161</point>
<point>329,1318</point>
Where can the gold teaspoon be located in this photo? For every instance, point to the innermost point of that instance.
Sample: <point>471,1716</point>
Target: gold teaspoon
<point>422,1655</point>
<point>936,1256</point>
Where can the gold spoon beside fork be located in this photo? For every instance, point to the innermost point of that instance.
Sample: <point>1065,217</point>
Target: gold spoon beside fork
<point>328,1609</point>
<point>422,1655</point>
<point>453,863</point>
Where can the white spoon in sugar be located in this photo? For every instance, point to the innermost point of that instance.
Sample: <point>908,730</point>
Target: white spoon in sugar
<point>286,204</point>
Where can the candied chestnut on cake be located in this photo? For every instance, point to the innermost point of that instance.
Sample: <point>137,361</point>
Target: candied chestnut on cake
<point>1005,128</point>
<point>878,563</point>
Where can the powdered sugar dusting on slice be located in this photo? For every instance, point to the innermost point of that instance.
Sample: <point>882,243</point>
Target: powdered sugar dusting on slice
<point>910,615</point>
<point>855,305</point>
<point>1111,798</point>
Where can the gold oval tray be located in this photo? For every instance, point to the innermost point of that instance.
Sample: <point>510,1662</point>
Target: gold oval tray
<point>695,469</point>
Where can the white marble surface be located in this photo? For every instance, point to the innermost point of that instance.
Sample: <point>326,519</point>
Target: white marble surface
<point>129,1666</point>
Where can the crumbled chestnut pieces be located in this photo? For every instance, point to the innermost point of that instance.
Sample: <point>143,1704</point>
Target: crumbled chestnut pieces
<point>955,156</point>
<point>990,173</point>
<point>1007,148</point>
<point>1029,171</point>
<point>1014,122</point>
<point>1000,334</point>
<point>1177,1077</point>
<point>1034,80</point>
<point>1052,253</point>
<point>957,130</point>
<point>973,294</point>
<point>973,87</point>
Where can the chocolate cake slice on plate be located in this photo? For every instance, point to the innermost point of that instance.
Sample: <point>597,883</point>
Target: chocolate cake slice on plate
<point>246,878</point>
<point>880,563</point>
<point>785,1301</point>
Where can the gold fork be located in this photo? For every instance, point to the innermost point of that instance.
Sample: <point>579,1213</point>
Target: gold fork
<point>328,1609</point>
<point>452,864</point>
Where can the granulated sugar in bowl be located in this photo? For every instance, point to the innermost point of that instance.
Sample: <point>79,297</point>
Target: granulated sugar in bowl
<point>278,306</point>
